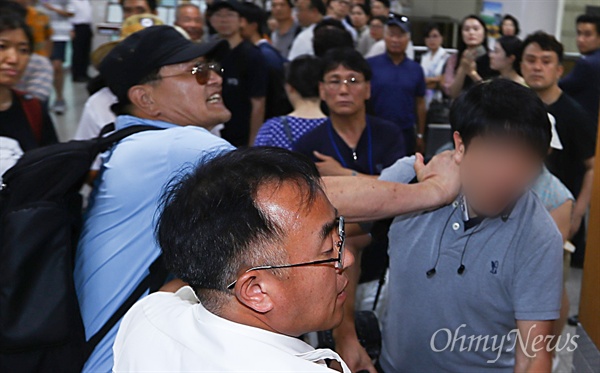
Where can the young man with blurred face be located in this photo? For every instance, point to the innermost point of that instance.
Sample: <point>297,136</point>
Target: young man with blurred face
<point>541,67</point>
<point>583,82</point>
<point>189,18</point>
<point>398,86</point>
<point>340,10</point>
<point>287,27</point>
<point>245,76</point>
<point>162,80</point>
<point>487,265</point>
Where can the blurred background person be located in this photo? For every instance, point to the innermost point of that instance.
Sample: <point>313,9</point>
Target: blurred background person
<point>287,27</point>
<point>380,8</point>
<point>505,58</point>
<point>433,62</point>
<point>189,18</point>
<point>472,63</point>
<point>509,26</point>
<point>360,15</point>
<point>309,14</point>
<point>82,40</point>
<point>340,10</point>
<point>302,88</point>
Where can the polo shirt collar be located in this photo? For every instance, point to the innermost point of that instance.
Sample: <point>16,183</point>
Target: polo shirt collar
<point>124,121</point>
<point>387,56</point>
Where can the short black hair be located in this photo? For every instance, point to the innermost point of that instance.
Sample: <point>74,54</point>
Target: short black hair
<point>304,74</point>
<point>11,19</point>
<point>515,22</point>
<point>432,26</point>
<point>210,226</point>
<point>504,108</point>
<point>364,8</point>
<point>590,18</point>
<point>319,5</point>
<point>329,34</point>
<point>382,19</point>
<point>348,58</point>
<point>151,4</point>
<point>513,46</point>
<point>252,13</point>
<point>547,42</point>
<point>386,3</point>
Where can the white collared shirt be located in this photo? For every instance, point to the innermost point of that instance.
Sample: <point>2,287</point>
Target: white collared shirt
<point>173,332</point>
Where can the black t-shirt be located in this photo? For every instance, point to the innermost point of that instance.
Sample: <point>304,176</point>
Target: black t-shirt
<point>244,77</point>
<point>374,152</point>
<point>15,125</point>
<point>577,133</point>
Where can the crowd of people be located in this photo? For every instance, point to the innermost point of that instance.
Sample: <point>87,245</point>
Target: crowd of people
<point>283,187</point>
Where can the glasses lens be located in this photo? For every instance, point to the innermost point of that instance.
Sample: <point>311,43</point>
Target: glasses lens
<point>342,244</point>
<point>203,69</point>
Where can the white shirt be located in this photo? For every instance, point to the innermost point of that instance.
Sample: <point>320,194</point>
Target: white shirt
<point>83,12</point>
<point>173,332</point>
<point>379,48</point>
<point>303,43</point>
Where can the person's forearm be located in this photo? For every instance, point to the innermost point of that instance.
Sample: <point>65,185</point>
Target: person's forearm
<point>257,117</point>
<point>365,199</point>
<point>585,195</point>
<point>458,83</point>
<point>421,116</point>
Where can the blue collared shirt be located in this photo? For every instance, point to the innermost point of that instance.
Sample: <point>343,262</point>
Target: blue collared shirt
<point>394,89</point>
<point>117,243</point>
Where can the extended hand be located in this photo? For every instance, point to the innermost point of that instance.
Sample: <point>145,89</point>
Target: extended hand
<point>354,355</point>
<point>442,173</point>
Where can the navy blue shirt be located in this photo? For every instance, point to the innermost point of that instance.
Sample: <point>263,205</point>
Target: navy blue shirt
<point>394,89</point>
<point>583,83</point>
<point>379,146</point>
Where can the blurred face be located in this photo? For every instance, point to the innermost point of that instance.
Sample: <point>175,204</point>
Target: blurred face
<point>340,8</point>
<point>434,40</point>
<point>272,24</point>
<point>588,38</point>
<point>472,33</point>
<point>190,19</point>
<point>498,59</point>
<point>14,56</point>
<point>396,40</point>
<point>304,13</point>
<point>508,28</point>
<point>495,172</point>
<point>183,101</point>
<point>310,234</point>
<point>358,17</point>
<point>540,69</point>
<point>133,7</point>
<point>281,10</point>
<point>226,21</point>
<point>344,91</point>
<point>378,9</point>
<point>376,29</point>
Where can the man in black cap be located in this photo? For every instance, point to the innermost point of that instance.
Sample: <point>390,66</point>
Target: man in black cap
<point>245,75</point>
<point>163,80</point>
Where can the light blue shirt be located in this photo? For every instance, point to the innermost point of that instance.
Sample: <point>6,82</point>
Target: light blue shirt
<point>117,243</point>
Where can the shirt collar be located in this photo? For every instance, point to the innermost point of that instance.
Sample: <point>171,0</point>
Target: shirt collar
<point>124,121</point>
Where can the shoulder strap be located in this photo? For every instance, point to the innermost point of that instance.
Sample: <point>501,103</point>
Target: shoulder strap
<point>152,282</point>
<point>287,129</point>
<point>33,111</point>
<point>106,142</point>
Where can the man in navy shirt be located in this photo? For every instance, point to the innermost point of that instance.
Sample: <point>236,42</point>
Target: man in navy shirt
<point>350,142</point>
<point>398,85</point>
<point>583,83</point>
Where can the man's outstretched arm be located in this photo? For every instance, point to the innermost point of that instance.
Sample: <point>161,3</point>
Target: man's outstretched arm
<point>364,199</point>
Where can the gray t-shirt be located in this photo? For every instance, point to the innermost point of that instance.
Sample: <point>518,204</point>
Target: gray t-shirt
<point>513,271</point>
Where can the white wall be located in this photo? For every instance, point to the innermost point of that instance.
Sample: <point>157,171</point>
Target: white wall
<point>534,15</point>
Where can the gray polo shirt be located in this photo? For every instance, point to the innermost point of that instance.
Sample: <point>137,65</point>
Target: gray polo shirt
<point>462,323</point>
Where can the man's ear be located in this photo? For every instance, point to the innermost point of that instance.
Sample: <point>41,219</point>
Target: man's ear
<point>368,86</point>
<point>141,97</point>
<point>561,70</point>
<point>252,290</point>
<point>459,147</point>
<point>322,91</point>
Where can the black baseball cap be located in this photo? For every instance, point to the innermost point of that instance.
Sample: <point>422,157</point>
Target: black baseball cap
<point>399,20</point>
<point>143,52</point>
<point>230,4</point>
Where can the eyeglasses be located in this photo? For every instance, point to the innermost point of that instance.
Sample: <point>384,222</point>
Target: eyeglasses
<point>202,71</point>
<point>336,84</point>
<point>339,261</point>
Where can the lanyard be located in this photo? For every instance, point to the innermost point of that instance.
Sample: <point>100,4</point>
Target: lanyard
<point>337,149</point>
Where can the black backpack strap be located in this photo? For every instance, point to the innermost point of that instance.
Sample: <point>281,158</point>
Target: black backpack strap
<point>108,141</point>
<point>287,129</point>
<point>107,129</point>
<point>155,279</point>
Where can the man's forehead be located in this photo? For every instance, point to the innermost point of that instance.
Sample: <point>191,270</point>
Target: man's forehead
<point>534,49</point>
<point>135,3</point>
<point>343,70</point>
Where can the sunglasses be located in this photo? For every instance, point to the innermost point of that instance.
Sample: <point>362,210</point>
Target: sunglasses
<point>201,71</point>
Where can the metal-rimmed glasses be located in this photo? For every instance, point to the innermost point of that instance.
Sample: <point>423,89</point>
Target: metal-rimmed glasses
<point>339,261</point>
<point>201,71</point>
<point>336,84</point>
